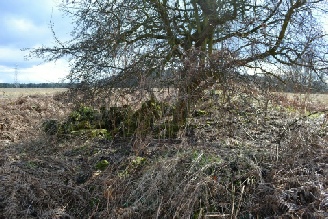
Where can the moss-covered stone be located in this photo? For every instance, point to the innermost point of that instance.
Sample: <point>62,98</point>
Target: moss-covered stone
<point>83,113</point>
<point>144,118</point>
<point>117,121</point>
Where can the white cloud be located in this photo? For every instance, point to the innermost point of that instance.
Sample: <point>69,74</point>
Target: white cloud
<point>47,72</point>
<point>43,73</point>
<point>6,74</point>
<point>23,31</point>
<point>21,25</point>
<point>8,54</point>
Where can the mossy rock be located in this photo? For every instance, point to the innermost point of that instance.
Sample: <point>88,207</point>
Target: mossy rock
<point>143,119</point>
<point>113,118</point>
<point>115,121</point>
<point>83,113</point>
<point>80,119</point>
<point>126,122</point>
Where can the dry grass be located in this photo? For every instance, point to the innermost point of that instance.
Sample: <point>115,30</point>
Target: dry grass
<point>307,100</point>
<point>19,92</point>
<point>238,157</point>
<point>21,118</point>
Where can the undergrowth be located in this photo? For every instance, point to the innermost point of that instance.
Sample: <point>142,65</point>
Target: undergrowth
<point>241,154</point>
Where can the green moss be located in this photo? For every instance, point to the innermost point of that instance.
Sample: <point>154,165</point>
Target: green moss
<point>31,164</point>
<point>205,159</point>
<point>83,113</point>
<point>199,113</point>
<point>116,121</point>
<point>315,115</point>
<point>100,133</point>
<point>138,161</point>
<point>132,166</point>
<point>142,121</point>
<point>102,165</point>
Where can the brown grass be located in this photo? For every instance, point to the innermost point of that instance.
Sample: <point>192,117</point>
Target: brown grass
<point>18,92</point>
<point>239,157</point>
<point>21,118</point>
<point>306,100</point>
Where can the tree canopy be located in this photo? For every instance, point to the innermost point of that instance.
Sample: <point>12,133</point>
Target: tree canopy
<point>113,37</point>
<point>188,42</point>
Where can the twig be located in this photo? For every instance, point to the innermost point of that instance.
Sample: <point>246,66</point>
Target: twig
<point>159,208</point>
<point>239,203</point>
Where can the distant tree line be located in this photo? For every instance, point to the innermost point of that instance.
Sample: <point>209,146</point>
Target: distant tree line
<point>36,85</point>
<point>272,83</point>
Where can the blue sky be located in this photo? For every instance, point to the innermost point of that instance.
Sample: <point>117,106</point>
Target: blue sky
<point>26,24</point>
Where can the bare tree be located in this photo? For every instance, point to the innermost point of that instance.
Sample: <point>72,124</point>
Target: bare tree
<point>197,41</point>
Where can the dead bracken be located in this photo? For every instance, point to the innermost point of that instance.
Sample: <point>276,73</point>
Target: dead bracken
<point>238,159</point>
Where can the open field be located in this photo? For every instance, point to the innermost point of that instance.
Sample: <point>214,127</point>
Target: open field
<point>17,92</point>
<point>316,98</point>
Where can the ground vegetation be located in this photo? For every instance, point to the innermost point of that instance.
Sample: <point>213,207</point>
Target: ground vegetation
<point>237,157</point>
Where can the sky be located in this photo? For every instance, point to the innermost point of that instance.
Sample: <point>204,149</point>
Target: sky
<point>26,24</point>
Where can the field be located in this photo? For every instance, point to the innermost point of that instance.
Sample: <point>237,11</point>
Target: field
<point>321,99</point>
<point>245,157</point>
<point>17,92</point>
<point>23,111</point>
